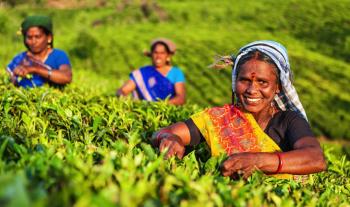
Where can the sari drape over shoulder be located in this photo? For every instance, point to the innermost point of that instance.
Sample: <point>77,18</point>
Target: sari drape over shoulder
<point>151,85</point>
<point>229,130</point>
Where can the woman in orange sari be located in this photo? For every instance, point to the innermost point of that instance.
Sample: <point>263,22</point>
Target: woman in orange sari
<point>265,128</point>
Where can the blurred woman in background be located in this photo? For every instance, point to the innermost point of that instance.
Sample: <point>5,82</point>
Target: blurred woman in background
<point>41,63</point>
<point>265,128</point>
<point>160,80</point>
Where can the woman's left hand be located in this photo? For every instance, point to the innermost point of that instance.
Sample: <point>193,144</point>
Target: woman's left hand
<point>241,164</point>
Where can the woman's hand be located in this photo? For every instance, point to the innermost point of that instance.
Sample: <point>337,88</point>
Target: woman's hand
<point>173,138</point>
<point>306,158</point>
<point>23,71</point>
<point>241,164</point>
<point>173,146</point>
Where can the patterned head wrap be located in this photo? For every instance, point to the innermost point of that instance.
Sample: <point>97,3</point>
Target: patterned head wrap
<point>287,98</point>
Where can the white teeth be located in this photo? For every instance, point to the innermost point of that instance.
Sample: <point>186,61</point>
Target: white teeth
<point>253,99</point>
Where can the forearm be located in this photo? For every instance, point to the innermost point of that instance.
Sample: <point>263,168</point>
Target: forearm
<point>177,100</point>
<point>60,77</point>
<point>300,161</point>
<point>121,92</point>
<point>178,130</point>
<point>127,88</point>
<point>55,76</point>
<point>12,76</point>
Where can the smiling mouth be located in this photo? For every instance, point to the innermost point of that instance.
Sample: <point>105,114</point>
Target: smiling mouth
<point>252,101</point>
<point>158,61</point>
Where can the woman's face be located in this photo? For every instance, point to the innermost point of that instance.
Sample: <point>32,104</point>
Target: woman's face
<point>160,56</point>
<point>256,86</point>
<point>36,40</point>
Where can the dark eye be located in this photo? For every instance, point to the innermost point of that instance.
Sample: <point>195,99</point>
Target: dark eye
<point>263,82</point>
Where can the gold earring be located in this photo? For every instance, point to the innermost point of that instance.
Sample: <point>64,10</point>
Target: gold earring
<point>272,111</point>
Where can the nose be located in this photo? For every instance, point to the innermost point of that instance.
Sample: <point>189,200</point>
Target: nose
<point>252,88</point>
<point>31,41</point>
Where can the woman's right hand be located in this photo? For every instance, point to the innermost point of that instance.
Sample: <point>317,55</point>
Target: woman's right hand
<point>173,146</point>
<point>21,71</point>
<point>173,138</point>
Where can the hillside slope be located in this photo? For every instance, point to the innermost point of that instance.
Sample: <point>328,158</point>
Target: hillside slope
<point>107,43</point>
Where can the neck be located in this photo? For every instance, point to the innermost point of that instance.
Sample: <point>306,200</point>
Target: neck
<point>263,117</point>
<point>41,55</point>
<point>164,68</point>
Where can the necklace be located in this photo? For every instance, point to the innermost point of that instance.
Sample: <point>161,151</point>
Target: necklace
<point>41,58</point>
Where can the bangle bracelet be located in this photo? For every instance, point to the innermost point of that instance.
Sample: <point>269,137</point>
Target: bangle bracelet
<point>280,163</point>
<point>162,131</point>
<point>49,74</point>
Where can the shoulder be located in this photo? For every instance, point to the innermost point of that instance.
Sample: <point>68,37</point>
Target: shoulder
<point>218,110</point>
<point>294,124</point>
<point>289,116</point>
<point>58,52</point>
<point>144,68</point>
<point>16,60</point>
<point>20,55</point>
<point>57,58</point>
<point>176,70</point>
<point>175,75</point>
<point>287,127</point>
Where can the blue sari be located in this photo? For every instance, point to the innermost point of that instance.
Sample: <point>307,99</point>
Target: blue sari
<point>151,85</point>
<point>55,59</point>
<point>33,80</point>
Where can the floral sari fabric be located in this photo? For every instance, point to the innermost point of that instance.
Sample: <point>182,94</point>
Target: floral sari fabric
<point>229,130</point>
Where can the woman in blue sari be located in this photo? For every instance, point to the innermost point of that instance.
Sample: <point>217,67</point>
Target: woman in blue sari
<point>41,63</point>
<point>160,80</point>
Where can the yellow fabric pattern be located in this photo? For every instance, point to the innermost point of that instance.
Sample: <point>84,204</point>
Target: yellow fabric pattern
<point>228,130</point>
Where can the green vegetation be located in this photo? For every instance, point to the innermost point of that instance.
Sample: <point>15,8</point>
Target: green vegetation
<point>110,41</point>
<point>84,147</point>
<point>72,147</point>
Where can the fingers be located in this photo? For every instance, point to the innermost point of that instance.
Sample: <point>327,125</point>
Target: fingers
<point>248,172</point>
<point>172,148</point>
<point>237,166</point>
<point>20,71</point>
<point>230,166</point>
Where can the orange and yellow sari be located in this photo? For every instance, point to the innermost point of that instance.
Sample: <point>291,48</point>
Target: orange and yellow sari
<point>228,130</point>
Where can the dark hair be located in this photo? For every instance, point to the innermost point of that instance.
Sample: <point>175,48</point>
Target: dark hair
<point>160,43</point>
<point>258,55</point>
<point>46,31</point>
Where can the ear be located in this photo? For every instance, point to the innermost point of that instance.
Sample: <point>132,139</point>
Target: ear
<point>279,88</point>
<point>49,39</point>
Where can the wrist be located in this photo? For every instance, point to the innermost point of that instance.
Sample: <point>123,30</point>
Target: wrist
<point>158,136</point>
<point>280,163</point>
<point>269,162</point>
<point>49,72</point>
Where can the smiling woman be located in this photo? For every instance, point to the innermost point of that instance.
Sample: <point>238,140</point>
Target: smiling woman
<point>159,81</point>
<point>265,128</point>
<point>41,63</point>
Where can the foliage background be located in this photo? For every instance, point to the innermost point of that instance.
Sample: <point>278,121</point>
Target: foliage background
<point>85,147</point>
